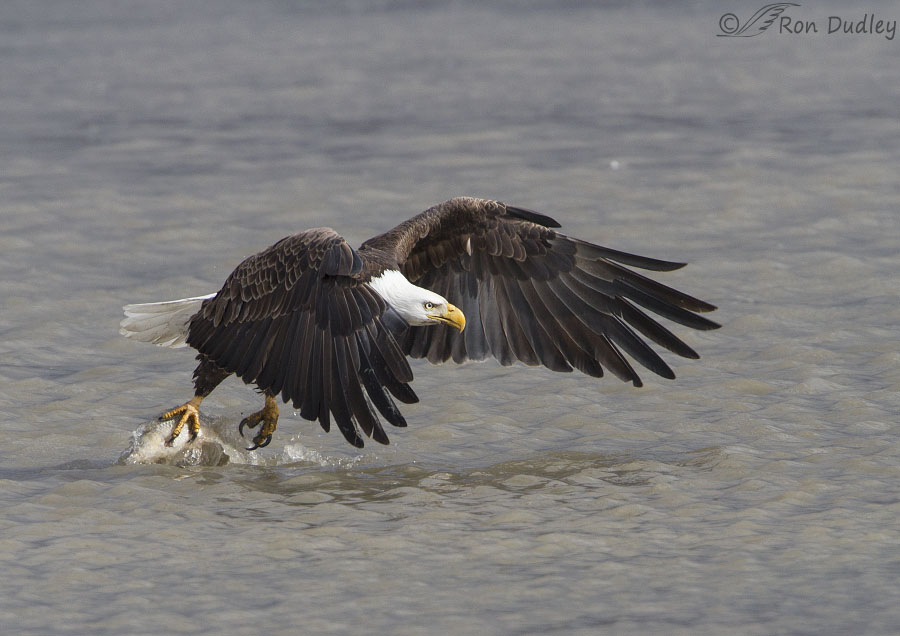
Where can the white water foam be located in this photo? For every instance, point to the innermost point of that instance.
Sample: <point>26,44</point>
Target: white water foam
<point>218,443</point>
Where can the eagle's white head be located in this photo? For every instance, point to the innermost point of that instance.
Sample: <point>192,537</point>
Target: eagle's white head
<point>418,306</point>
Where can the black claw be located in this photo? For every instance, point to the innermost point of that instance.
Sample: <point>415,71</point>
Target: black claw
<point>262,444</point>
<point>246,422</point>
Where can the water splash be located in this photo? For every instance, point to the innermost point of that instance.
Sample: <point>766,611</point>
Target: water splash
<point>214,445</point>
<point>218,444</point>
<point>294,452</point>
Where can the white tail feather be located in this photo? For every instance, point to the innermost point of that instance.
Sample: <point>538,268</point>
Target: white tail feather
<point>164,324</point>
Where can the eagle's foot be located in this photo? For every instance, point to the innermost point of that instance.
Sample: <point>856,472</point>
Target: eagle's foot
<point>268,417</point>
<point>187,413</point>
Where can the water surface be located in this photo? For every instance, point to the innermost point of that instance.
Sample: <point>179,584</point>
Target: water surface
<point>149,147</point>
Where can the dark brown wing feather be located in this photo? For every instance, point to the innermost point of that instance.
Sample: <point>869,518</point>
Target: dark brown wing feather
<point>298,321</point>
<point>533,295</point>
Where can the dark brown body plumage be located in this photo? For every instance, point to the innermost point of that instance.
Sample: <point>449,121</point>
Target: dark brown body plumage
<point>299,321</point>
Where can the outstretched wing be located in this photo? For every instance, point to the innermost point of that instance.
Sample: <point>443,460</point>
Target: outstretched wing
<point>296,320</point>
<point>533,295</point>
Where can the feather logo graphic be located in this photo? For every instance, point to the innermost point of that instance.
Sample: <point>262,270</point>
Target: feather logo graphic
<point>731,27</point>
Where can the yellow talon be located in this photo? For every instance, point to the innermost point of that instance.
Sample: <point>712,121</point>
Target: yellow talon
<point>189,414</point>
<point>268,417</point>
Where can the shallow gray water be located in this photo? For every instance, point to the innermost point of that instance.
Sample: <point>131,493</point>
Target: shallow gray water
<point>149,147</point>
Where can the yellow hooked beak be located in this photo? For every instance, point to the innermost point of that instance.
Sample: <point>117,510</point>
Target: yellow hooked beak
<point>453,316</point>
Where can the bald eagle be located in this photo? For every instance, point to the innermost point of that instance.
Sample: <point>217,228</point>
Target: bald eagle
<point>329,328</point>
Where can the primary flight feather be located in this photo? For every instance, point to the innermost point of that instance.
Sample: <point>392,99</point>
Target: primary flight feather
<point>328,328</point>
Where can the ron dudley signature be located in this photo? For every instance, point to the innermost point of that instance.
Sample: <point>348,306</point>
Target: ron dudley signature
<point>776,16</point>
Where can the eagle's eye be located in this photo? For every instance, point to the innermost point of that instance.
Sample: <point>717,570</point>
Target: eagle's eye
<point>429,306</point>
